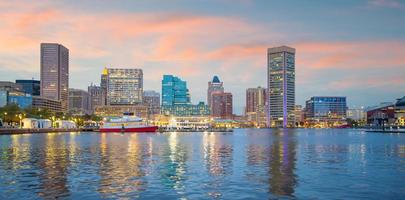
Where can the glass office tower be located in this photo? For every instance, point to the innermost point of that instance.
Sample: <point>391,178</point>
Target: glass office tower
<point>281,86</point>
<point>174,91</point>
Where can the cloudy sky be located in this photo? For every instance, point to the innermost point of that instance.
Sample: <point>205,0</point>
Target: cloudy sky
<point>350,48</point>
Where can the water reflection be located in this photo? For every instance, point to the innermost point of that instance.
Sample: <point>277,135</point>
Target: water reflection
<point>120,167</point>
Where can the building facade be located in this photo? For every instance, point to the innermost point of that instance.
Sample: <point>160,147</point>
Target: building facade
<point>117,110</point>
<point>51,105</point>
<point>222,105</point>
<point>97,96</point>
<point>255,99</point>
<point>79,102</point>
<point>32,87</point>
<point>281,86</point>
<point>151,99</point>
<point>124,86</point>
<point>174,91</point>
<point>201,109</point>
<point>55,73</point>
<point>326,111</point>
<point>214,86</point>
<point>104,83</point>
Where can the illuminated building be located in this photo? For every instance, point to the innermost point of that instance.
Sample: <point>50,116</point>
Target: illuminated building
<point>55,73</point>
<point>174,91</point>
<point>356,114</point>
<point>281,86</point>
<point>299,115</point>
<point>117,110</point>
<point>103,84</point>
<point>326,111</point>
<point>124,86</point>
<point>200,109</point>
<point>255,106</point>
<point>214,86</point>
<point>400,111</point>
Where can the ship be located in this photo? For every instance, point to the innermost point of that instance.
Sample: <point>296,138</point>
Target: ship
<point>126,123</point>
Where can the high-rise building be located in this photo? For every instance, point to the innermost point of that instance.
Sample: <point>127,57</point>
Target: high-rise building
<point>97,96</point>
<point>255,99</point>
<point>281,86</point>
<point>79,102</point>
<point>103,84</point>
<point>32,87</point>
<point>214,86</point>
<point>55,73</point>
<point>124,86</point>
<point>174,91</point>
<point>222,105</point>
<point>151,99</point>
<point>326,111</point>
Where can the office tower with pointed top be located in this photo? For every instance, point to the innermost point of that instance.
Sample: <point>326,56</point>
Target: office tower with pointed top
<point>214,86</point>
<point>281,86</point>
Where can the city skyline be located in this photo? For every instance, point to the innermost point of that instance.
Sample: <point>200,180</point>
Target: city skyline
<point>348,54</point>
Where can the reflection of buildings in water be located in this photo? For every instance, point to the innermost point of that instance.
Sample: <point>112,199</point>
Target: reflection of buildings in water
<point>217,156</point>
<point>174,167</point>
<point>282,163</point>
<point>18,153</point>
<point>54,167</point>
<point>120,167</point>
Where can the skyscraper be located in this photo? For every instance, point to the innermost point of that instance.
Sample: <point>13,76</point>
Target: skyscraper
<point>222,105</point>
<point>55,73</point>
<point>124,86</point>
<point>103,84</point>
<point>214,86</point>
<point>174,91</point>
<point>281,86</point>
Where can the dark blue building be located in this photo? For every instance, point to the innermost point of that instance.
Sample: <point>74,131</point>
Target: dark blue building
<point>326,109</point>
<point>32,87</point>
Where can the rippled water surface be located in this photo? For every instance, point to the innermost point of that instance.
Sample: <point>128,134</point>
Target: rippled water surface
<point>245,164</point>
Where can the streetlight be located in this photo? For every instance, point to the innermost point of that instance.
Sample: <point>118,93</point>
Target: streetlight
<point>5,115</point>
<point>20,117</point>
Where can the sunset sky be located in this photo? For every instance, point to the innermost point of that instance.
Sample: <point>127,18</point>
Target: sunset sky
<point>349,48</point>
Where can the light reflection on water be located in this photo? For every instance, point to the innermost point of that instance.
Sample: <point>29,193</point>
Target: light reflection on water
<point>245,164</point>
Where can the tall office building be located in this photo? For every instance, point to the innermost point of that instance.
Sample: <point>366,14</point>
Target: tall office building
<point>151,99</point>
<point>174,91</point>
<point>214,86</point>
<point>55,73</point>
<point>79,102</point>
<point>97,96</point>
<point>124,86</point>
<point>281,86</point>
<point>255,99</point>
<point>222,105</point>
<point>32,87</point>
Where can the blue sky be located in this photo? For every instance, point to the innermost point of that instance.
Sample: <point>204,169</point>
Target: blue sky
<point>349,48</point>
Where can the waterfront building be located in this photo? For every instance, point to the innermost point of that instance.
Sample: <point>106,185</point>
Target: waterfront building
<point>214,86</point>
<point>51,105</point>
<point>97,96</point>
<point>117,110</point>
<point>55,73</point>
<point>356,114</point>
<point>79,102</point>
<point>400,111</point>
<point>281,86</point>
<point>325,111</point>
<point>174,91</point>
<point>200,109</point>
<point>32,87</point>
<point>183,122</point>
<point>222,105</point>
<point>381,115</point>
<point>151,99</point>
<point>21,99</point>
<point>13,93</point>
<point>124,86</point>
<point>299,115</point>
